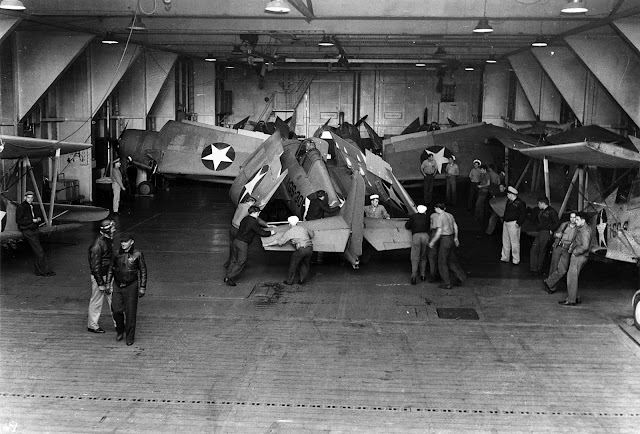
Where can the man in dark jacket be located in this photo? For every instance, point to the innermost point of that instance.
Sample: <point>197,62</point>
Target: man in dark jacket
<point>249,227</point>
<point>547,222</point>
<point>28,220</point>
<point>129,273</point>
<point>515,213</point>
<point>100,258</point>
<point>579,251</point>
<point>319,206</point>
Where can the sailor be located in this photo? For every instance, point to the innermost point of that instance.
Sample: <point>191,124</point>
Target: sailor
<point>418,224</point>
<point>429,168</point>
<point>301,238</point>
<point>452,172</point>
<point>474,178</point>
<point>375,210</point>
<point>241,212</point>
<point>515,213</point>
<point>117,184</point>
<point>546,218</point>
<point>560,256</point>
<point>447,234</point>
<point>579,251</point>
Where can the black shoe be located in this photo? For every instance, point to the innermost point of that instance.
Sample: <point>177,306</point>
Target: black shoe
<point>129,343</point>
<point>120,336</point>
<point>42,274</point>
<point>230,282</point>
<point>566,303</point>
<point>443,286</point>
<point>423,278</point>
<point>98,330</point>
<point>50,273</point>
<point>225,279</point>
<point>578,300</point>
<point>547,287</point>
<point>413,280</point>
<point>286,282</point>
<point>300,282</point>
<point>432,279</point>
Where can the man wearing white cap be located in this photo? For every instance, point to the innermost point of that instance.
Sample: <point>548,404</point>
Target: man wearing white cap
<point>418,224</point>
<point>300,237</point>
<point>474,177</point>
<point>429,169</point>
<point>375,210</point>
<point>116,184</point>
<point>515,213</point>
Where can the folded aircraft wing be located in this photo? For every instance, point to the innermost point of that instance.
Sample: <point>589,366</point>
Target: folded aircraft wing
<point>18,147</point>
<point>387,234</point>
<point>330,235</point>
<point>586,153</point>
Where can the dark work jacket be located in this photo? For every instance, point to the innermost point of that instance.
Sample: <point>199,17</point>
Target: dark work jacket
<point>318,208</point>
<point>100,258</point>
<point>417,223</point>
<point>516,210</point>
<point>546,219</point>
<point>249,227</point>
<point>581,245</point>
<point>24,219</point>
<point>128,267</point>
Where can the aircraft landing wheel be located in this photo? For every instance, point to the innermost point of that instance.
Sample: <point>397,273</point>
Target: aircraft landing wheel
<point>636,309</point>
<point>145,188</point>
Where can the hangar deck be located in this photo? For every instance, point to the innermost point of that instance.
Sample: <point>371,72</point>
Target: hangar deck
<point>351,351</point>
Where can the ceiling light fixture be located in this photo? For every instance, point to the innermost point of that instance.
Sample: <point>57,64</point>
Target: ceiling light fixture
<point>137,24</point>
<point>229,66</point>
<point>109,39</point>
<point>574,7</point>
<point>421,64</point>
<point>483,26</point>
<point>210,58</point>
<point>539,42</point>
<point>12,5</point>
<point>277,7</point>
<point>468,68</point>
<point>491,59</point>
<point>326,41</point>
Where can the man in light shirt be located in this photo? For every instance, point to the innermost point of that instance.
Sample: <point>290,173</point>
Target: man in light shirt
<point>301,238</point>
<point>375,210</point>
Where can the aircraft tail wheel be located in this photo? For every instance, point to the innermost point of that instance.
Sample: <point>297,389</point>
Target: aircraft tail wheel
<point>145,188</point>
<point>636,309</point>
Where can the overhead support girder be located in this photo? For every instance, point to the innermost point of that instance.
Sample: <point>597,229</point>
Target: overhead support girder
<point>7,25</point>
<point>615,64</point>
<point>108,64</point>
<point>586,96</point>
<point>629,28</point>
<point>540,91</point>
<point>40,59</point>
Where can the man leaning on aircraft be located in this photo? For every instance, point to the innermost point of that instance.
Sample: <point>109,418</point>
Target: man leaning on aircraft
<point>28,222</point>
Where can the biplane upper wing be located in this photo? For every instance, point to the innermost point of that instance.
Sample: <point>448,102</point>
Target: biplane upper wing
<point>17,147</point>
<point>464,142</point>
<point>605,155</point>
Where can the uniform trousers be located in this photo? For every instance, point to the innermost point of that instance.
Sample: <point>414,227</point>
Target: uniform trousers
<point>300,261</point>
<point>451,193</point>
<point>473,195</point>
<point>575,266</point>
<point>239,253</point>
<point>116,197</point>
<point>510,242</point>
<point>40,260</point>
<point>432,256</point>
<point>448,260</point>
<point>481,203</point>
<point>419,247</point>
<point>559,265</point>
<point>96,301</point>
<point>233,231</point>
<point>428,188</point>
<point>124,305</point>
<point>539,250</point>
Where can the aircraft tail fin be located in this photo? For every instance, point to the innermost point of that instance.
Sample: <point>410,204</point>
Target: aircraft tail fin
<point>353,213</point>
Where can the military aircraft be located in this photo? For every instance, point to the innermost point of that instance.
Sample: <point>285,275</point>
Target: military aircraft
<point>466,143</point>
<point>191,149</point>
<point>22,149</point>
<point>346,174</point>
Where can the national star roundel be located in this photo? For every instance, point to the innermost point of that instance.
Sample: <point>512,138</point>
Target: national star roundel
<point>441,156</point>
<point>218,156</point>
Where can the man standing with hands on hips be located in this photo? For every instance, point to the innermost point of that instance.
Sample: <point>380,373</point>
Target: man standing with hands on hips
<point>515,213</point>
<point>129,273</point>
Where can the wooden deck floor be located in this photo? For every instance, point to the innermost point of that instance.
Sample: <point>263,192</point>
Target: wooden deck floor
<point>351,351</point>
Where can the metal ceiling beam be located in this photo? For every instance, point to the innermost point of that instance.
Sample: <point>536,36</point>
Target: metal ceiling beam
<point>305,10</point>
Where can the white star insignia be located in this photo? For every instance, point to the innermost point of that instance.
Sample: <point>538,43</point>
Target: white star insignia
<point>218,156</point>
<point>251,185</point>
<point>439,158</point>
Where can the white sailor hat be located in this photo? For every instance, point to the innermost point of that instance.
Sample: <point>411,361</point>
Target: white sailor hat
<point>477,161</point>
<point>293,220</point>
<point>512,190</point>
<point>374,196</point>
<point>422,209</point>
